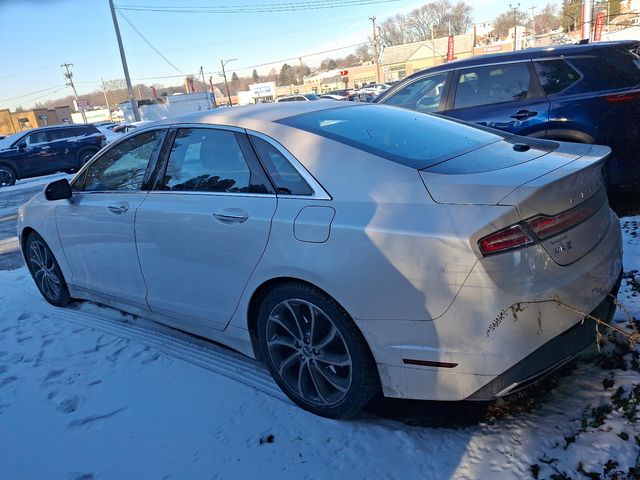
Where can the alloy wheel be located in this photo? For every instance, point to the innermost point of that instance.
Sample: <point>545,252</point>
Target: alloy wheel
<point>43,268</point>
<point>7,177</point>
<point>309,352</point>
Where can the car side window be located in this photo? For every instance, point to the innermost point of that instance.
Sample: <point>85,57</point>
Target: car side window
<point>555,75</point>
<point>285,177</point>
<point>423,95</point>
<point>122,167</point>
<point>492,84</point>
<point>206,160</point>
<point>36,138</point>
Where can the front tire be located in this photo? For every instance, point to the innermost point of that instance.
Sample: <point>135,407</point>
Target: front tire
<point>46,272</point>
<point>85,155</point>
<point>7,176</point>
<point>315,352</point>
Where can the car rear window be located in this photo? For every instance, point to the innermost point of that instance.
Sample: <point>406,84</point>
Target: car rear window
<point>611,68</point>
<point>416,140</point>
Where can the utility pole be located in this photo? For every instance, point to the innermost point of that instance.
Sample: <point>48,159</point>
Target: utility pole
<point>132,99</point>
<point>433,45</point>
<point>533,19</point>
<point>375,48</point>
<point>515,25</point>
<point>106,99</point>
<point>69,77</point>
<point>224,74</point>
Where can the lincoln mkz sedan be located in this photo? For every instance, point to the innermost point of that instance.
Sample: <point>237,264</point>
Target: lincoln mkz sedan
<point>355,249</point>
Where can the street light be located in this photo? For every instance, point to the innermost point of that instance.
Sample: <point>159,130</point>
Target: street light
<point>224,74</point>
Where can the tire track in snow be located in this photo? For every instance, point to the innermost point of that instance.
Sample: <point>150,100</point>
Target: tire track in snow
<point>210,357</point>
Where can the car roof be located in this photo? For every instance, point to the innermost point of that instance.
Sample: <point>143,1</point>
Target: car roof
<point>536,52</point>
<point>243,116</point>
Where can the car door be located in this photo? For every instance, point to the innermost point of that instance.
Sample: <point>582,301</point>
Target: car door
<point>203,229</point>
<point>35,154</point>
<point>506,96</point>
<point>96,227</point>
<point>426,94</point>
<point>61,156</point>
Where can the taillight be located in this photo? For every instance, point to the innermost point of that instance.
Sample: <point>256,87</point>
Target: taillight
<point>540,227</point>
<point>545,226</point>
<point>621,98</point>
<point>506,239</point>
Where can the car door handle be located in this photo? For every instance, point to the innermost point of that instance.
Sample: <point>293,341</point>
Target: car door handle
<point>118,209</point>
<point>522,114</point>
<point>231,216</point>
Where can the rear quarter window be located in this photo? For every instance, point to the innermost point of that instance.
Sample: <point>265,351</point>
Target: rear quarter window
<point>555,75</point>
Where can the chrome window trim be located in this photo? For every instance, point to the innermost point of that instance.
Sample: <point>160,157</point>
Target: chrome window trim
<point>226,194</point>
<point>319,193</point>
<point>209,126</point>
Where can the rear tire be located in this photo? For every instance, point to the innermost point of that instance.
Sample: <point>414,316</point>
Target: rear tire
<point>7,176</point>
<point>46,272</point>
<point>315,352</point>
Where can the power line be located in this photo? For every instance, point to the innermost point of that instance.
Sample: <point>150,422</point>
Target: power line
<point>149,43</point>
<point>34,93</point>
<point>255,8</point>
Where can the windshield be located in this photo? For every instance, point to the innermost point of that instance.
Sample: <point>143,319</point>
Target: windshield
<point>413,139</point>
<point>6,142</point>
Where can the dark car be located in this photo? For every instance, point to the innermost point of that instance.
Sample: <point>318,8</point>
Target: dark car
<point>47,150</point>
<point>579,93</point>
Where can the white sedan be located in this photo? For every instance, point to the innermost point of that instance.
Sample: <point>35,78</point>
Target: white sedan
<point>354,248</point>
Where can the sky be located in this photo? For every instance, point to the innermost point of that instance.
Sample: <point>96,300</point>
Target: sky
<point>37,36</point>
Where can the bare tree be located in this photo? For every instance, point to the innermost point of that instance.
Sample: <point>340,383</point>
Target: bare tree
<point>396,30</point>
<point>363,53</point>
<point>548,19</point>
<point>506,20</point>
<point>439,16</point>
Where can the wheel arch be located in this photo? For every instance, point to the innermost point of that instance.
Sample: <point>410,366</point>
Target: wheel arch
<point>567,135</point>
<point>263,289</point>
<point>24,235</point>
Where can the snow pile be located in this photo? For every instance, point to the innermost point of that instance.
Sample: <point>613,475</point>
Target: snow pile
<point>88,392</point>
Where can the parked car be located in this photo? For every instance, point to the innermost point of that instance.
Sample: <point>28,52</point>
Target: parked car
<point>47,150</point>
<point>354,248</point>
<point>125,127</point>
<point>306,97</point>
<point>580,93</point>
<point>332,96</point>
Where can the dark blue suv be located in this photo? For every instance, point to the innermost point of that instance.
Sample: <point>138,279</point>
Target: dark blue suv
<point>579,93</point>
<point>46,150</point>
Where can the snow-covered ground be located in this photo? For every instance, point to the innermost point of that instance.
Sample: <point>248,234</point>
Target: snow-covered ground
<point>89,393</point>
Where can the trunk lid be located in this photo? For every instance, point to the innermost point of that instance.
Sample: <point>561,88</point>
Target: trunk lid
<point>565,182</point>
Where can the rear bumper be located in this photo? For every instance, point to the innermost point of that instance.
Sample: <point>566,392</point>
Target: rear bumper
<point>550,356</point>
<point>504,327</point>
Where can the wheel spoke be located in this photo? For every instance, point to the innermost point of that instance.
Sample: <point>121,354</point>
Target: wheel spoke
<point>280,341</point>
<point>327,339</point>
<point>286,362</point>
<point>336,359</point>
<point>295,318</point>
<point>277,320</point>
<point>312,321</point>
<point>317,384</point>
<point>300,372</point>
<point>334,380</point>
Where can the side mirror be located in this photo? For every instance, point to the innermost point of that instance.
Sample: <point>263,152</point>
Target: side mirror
<point>58,190</point>
<point>22,145</point>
